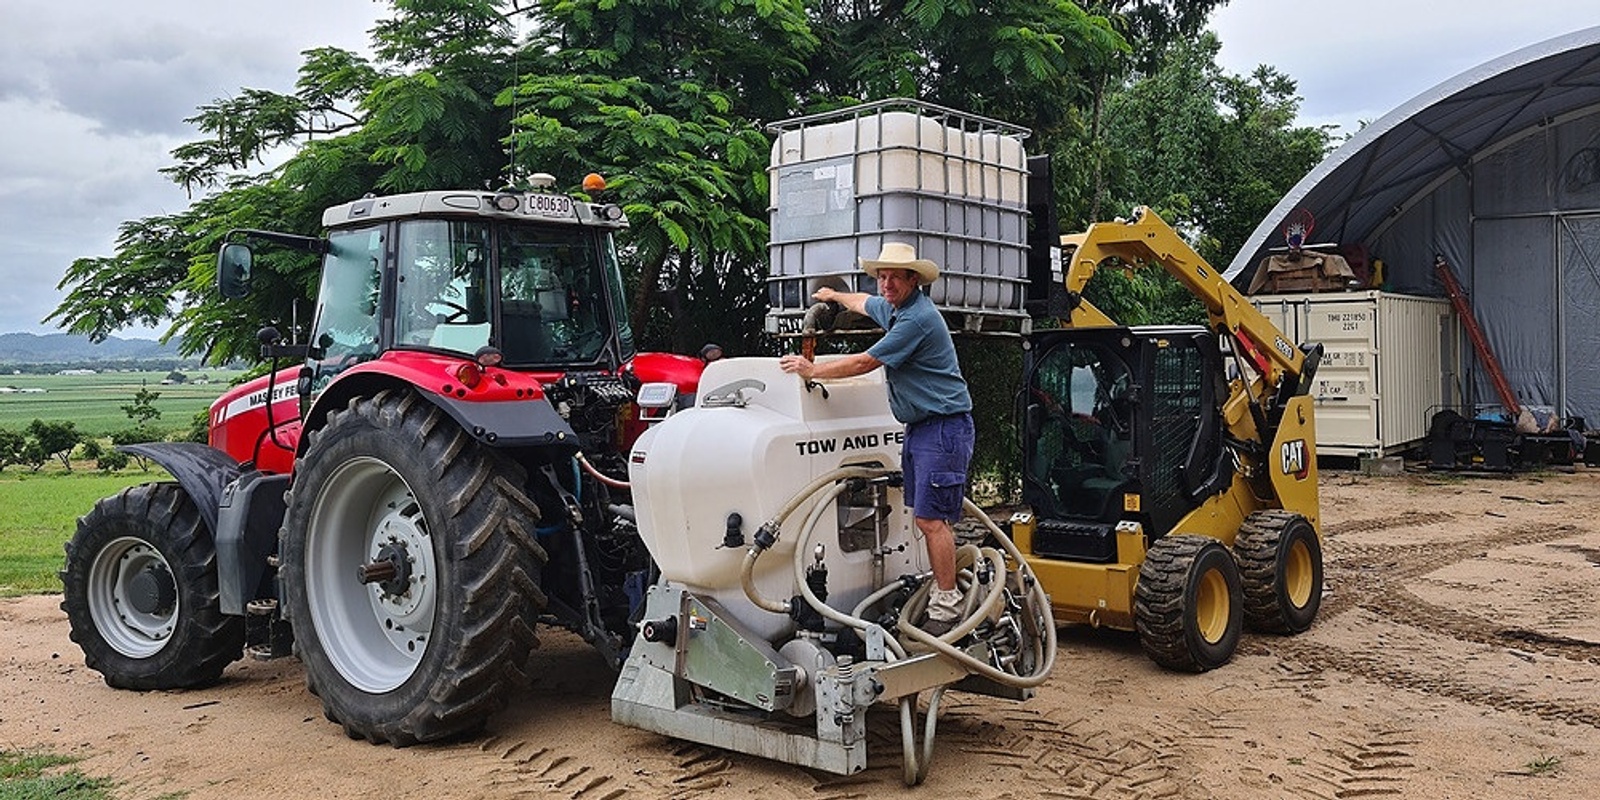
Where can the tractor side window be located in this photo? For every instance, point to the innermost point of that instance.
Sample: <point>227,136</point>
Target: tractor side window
<point>346,330</point>
<point>440,297</point>
<point>552,299</point>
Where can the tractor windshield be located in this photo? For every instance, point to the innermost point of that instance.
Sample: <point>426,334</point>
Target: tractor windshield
<point>552,296</point>
<point>550,283</point>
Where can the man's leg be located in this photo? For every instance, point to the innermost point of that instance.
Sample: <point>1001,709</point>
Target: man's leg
<point>936,458</point>
<point>941,542</point>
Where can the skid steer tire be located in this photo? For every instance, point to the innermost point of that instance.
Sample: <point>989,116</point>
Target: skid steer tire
<point>434,647</point>
<point>1187,606</point>
<point>140,591</point>
<point>1280,564</point>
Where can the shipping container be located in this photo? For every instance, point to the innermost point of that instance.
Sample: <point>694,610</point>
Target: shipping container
<point>952,185</point>
<point>1389,362</point>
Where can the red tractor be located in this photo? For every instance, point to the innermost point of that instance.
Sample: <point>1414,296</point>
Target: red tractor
<point>444,471</point>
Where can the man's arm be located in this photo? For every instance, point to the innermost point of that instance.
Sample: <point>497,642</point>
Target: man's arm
<point>854,301</point>
<point>848,366</point>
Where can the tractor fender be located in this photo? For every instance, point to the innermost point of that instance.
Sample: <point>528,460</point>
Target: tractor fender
<point>511,422</point>
<point>204,472</point>
<point>243,525</point>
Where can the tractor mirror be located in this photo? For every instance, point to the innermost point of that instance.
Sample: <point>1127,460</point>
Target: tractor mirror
<point>234,264</point>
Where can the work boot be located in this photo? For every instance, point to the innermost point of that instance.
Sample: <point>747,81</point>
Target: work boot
<point>944,611</point>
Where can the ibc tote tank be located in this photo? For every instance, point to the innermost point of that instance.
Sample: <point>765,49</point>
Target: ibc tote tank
<point>951,184</point>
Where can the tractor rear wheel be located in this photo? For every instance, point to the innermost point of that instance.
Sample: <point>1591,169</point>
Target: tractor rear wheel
<point>1187,606</point>
<point>1280,560</point>
<point>410,571</point>
<point>140,591</point>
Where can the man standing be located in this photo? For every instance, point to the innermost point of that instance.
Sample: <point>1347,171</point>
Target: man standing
<point>927,393</point>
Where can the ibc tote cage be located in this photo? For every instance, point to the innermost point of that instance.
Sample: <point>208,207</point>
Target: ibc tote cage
<point>952,184</point>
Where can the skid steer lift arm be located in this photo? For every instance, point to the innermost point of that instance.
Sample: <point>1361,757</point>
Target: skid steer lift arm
<point>1147,240</point>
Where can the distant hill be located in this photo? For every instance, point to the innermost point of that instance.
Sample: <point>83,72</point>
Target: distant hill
<point>53,348</point>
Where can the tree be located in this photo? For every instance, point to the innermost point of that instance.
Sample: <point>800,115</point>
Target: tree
<point>11,445</point>
<point>667,98</point>
<point>91,449</point>
<point>112,461</point>
<point>134,436</point>
<point>48,440</point>
<point>143,408</point>
<point>1211,152</point>
<point>423,117</point>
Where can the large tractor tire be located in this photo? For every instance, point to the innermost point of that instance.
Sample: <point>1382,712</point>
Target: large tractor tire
<point>1187,606</point>
<point>410,572</point>
<point>140,591</point>
<point>1280,561</point>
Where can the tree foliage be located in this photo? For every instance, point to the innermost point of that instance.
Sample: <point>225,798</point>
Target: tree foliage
<point>143,408</point>
<point>669,100</point>
<point>47,440</point>
<point>11,444</point>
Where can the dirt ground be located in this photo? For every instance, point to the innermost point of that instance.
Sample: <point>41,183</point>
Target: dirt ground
<point>1457,655</point>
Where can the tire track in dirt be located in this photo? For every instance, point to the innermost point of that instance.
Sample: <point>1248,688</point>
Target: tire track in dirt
<point>1376,578</point>
<point>1376,766</point>
<point>1020,745</point>
<point>541,771</point>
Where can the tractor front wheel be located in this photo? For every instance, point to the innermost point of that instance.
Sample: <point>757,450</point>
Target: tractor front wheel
<point>140,591</point>
<point>410,571</point>
<point>1187,606</point>
<point>1280,559</point>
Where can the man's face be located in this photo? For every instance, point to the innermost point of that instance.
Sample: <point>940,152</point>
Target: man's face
<point>897,284</point>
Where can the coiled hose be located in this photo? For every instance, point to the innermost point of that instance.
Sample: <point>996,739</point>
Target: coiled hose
<point>1035,605</point>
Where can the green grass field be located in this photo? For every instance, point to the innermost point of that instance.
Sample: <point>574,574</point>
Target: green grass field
<point>94,402</point>
<point>39,513</point>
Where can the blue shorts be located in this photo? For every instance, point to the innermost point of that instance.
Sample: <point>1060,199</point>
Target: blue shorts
<point>934,461</point>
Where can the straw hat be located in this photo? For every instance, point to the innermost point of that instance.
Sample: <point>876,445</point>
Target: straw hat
<point>899,255</point>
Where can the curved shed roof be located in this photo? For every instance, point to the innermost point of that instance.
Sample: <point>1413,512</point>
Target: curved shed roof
<point>1393,162</point>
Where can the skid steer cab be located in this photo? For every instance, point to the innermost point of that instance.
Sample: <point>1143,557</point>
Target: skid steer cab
<point>407,494</point>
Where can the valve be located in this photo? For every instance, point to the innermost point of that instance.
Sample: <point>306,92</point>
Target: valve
<point>660,631</point>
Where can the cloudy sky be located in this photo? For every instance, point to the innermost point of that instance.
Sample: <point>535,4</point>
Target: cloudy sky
<point>95,93</point>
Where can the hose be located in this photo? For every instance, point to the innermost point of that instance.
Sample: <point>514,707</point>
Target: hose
<point>774,526</point>
<point>944,645</point>
<point>595,473</point>
<point>1036,607</point>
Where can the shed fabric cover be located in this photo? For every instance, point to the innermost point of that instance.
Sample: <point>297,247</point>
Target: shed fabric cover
<point>1498,171</point>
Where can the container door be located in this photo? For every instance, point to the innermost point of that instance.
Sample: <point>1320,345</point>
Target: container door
<point>1346,393</point>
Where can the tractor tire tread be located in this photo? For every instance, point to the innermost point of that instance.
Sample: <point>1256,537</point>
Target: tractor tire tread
<point>497,565</point>
<point>204,641</point>
<point>1162,617</point>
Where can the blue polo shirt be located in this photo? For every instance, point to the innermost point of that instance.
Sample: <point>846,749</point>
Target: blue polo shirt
<point>919,359</point>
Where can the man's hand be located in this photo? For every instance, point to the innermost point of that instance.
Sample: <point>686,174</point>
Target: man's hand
<point>825,295</point>
<point>799,365</point>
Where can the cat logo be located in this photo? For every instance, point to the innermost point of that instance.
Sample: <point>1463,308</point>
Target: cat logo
<point>1293,459</point>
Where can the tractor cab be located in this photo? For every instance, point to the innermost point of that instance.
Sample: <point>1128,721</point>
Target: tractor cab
<point>415,288</point>
<point>533,276</point>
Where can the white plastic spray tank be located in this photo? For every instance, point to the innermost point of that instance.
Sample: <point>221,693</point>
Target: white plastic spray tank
<point>757,436</point>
